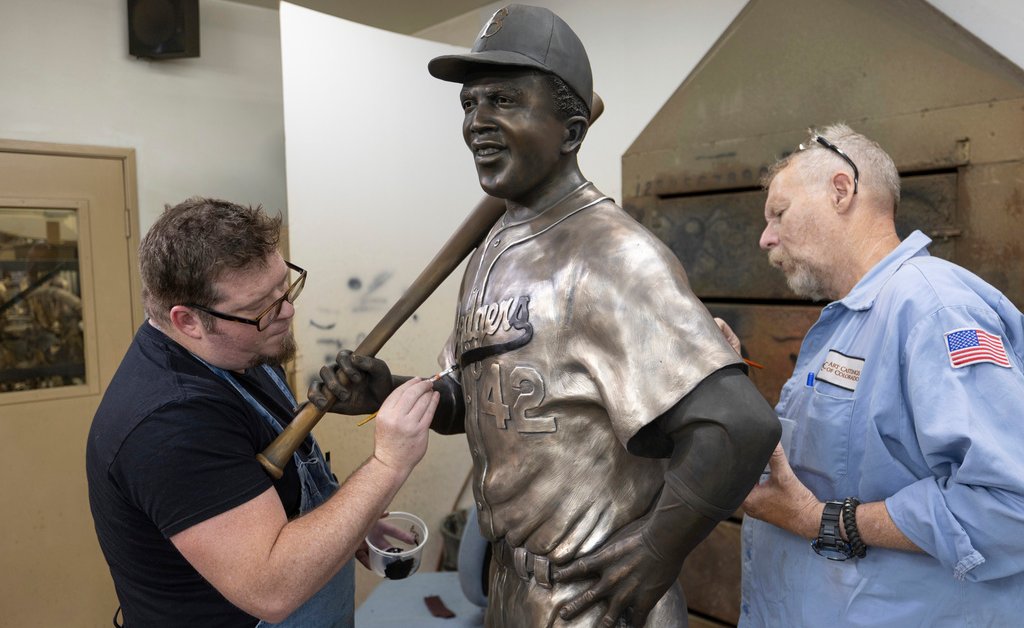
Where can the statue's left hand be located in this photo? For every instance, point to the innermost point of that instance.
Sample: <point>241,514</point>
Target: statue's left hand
<point>730,335</point>
<point>632,577</point>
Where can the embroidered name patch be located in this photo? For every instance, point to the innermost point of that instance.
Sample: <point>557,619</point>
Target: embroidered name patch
<point>971,346</point>
<point>841,370</point>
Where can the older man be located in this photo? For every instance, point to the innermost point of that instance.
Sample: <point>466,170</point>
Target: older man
<point>900,500</point>
<point>610,424</point>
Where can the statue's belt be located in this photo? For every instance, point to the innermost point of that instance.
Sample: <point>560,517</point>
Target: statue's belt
<point>523,562</point>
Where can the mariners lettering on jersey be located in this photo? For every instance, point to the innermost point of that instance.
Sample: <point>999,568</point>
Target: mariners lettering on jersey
<point>490,318</point>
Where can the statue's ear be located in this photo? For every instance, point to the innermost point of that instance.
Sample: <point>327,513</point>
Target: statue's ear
<point>575,130</point>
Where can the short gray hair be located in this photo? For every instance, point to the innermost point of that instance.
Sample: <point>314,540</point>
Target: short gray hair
<point>876,167</point>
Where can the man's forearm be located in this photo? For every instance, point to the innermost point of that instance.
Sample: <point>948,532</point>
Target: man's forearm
<point>877,529</point>
<point>313,547</point>
<point>792,507</point>
<point>269,566</point>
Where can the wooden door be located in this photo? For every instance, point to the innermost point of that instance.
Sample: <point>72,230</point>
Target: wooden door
<point>71,303</point>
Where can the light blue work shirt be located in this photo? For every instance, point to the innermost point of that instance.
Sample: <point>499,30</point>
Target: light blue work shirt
<point>882,414</point>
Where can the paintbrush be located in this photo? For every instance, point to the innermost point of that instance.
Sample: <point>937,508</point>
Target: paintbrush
<point>447,371</point>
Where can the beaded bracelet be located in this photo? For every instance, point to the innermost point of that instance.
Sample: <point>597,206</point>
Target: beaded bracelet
<point>857,546</point>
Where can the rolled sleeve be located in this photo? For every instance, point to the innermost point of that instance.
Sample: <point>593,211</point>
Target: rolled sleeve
<point>920,511</point>
<point>967,423</point>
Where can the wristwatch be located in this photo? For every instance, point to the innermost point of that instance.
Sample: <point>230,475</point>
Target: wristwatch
<point>829,543</point>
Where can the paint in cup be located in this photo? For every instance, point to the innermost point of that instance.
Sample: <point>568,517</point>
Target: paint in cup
<point>396,545</point>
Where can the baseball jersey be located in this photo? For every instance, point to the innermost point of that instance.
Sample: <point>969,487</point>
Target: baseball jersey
<point>575,329</point>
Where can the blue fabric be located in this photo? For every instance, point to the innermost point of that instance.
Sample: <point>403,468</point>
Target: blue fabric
<point>474,563</point>
<point>942,446</point>
<point>333,606</point>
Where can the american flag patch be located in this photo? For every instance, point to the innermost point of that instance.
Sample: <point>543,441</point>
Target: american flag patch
<point>972,346</point>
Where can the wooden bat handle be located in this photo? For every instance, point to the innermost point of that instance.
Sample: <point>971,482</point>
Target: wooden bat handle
<point>469,233</point>
<point>459,245</point>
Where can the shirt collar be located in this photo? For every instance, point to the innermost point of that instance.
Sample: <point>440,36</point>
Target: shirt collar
<point>863,295</point>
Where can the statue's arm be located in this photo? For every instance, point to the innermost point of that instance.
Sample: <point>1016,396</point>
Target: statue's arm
<point>450,417</point>
<point>723,434</point>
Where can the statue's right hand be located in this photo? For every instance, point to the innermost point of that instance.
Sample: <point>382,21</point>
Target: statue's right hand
<point>359,383</point>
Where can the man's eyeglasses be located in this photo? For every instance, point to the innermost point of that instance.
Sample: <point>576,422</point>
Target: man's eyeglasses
<point>270,314</point>
<point>835,149</point>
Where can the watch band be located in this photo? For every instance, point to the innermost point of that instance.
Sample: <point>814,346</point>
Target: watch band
<point>829,542</point>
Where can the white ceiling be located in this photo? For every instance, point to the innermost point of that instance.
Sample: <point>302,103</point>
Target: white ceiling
<point>399,16</point>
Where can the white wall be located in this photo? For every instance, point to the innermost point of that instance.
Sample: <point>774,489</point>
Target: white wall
<point>998,23</point>
<point>210,125</point>
<point>378,178</point>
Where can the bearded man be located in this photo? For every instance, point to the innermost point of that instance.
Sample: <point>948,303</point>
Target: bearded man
<point>194,530</point>
<point>900,498</point>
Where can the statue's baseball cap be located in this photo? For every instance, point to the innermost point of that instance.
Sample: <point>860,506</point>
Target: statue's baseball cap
<point>523,36</point>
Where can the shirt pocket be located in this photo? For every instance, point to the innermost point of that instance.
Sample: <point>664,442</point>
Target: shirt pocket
<point>821,439</point>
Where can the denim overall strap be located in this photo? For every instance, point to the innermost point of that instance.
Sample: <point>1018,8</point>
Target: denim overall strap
<point>333,606</point>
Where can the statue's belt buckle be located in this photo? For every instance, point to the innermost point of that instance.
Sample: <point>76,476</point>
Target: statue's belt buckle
<point>527,564</point>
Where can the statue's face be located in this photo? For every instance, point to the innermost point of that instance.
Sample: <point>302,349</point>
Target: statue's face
<point>516,137</point>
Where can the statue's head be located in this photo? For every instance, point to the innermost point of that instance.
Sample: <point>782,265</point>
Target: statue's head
<point>521,36</point>
<point>526,94</point>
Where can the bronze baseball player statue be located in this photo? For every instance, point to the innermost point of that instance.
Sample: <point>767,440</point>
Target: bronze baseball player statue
<point>611,425</point>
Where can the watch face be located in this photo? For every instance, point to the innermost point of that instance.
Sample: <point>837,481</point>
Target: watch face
<point>831,552</point>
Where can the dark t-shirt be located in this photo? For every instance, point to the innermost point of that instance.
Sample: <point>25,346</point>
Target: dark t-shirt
<point>173,445</point>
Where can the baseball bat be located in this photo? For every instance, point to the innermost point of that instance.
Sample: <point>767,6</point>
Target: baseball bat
<point>459,245</point>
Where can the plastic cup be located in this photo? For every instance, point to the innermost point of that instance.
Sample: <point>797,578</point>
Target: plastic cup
<point>391,556</point>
